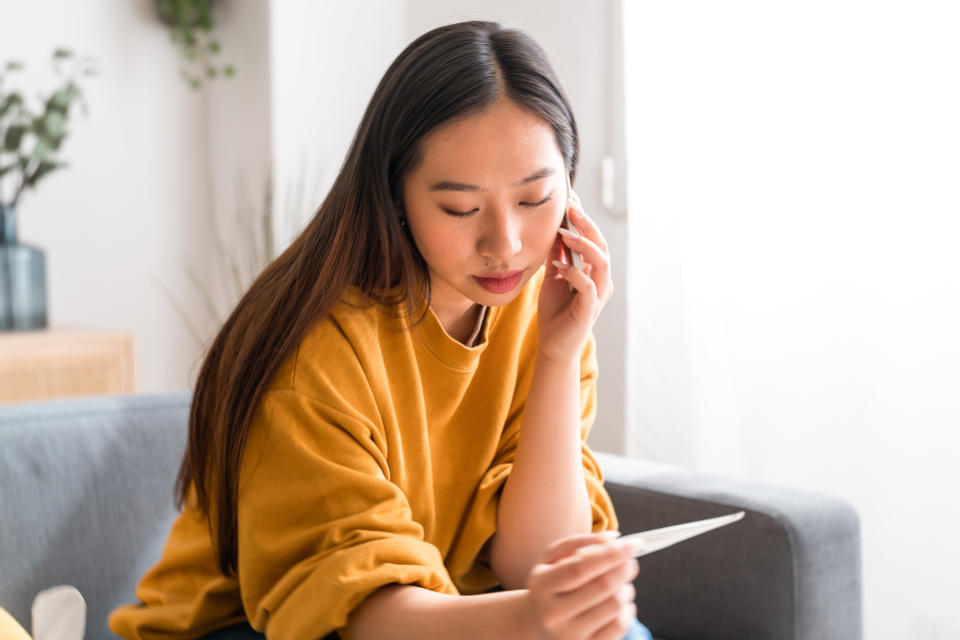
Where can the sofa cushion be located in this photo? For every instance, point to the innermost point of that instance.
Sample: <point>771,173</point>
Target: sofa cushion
<point>87,492</point>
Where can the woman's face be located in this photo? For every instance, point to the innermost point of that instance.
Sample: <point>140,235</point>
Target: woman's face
<point>503,170</point>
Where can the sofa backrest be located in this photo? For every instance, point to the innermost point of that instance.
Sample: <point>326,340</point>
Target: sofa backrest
<point>86,497</point>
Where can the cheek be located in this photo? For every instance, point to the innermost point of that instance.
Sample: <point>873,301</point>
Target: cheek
<point>439,244</point>
<point>544,236</point>
<point>552,224</point>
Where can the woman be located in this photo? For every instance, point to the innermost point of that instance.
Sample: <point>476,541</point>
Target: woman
<point>356,464</point>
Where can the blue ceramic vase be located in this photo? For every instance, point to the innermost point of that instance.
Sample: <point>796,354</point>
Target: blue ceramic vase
<point>23,281</point>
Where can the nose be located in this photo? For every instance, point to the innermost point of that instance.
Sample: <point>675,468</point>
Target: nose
<point>501,238</point>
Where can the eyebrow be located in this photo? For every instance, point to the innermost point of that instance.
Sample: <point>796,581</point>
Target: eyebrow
<point>447,185</point>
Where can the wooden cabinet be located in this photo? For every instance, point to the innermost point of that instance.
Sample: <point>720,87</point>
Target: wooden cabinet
<point>57,363</point>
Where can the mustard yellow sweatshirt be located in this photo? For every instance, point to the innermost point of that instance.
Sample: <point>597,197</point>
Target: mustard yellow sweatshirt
<point>377,456</point>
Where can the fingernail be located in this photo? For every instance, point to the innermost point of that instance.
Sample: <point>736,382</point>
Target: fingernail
<point>559,265</point>
<point>609,534</point>
<point>566,233</point>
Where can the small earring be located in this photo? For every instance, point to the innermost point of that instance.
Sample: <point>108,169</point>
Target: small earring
<point>403,221</point>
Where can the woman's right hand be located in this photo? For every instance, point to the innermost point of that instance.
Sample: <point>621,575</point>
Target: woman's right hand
<point>583,589</point>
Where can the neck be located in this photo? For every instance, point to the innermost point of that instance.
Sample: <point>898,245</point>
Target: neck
<point>460,323</point>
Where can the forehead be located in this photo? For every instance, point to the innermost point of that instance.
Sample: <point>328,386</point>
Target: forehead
<point>504,139</point>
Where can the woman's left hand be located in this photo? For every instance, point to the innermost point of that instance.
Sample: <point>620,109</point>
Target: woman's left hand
<point>566,317</point>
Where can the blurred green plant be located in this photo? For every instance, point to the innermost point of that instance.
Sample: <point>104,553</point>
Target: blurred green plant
<point>191,29</point>
<point>32,138</point>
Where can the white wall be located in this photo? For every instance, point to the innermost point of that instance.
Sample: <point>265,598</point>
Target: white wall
<point>237,146</point>
<point>795,295</point>
<point>326,60</point>
<point>127,210</point>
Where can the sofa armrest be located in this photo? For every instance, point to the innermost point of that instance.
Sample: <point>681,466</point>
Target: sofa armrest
<point>789,570</point>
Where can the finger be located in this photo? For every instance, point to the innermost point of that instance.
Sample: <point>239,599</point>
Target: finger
<point>586,226</point>
<point>591,621</point>
<point>558,253</point>
<point>586,247</point>
<point>565,546</point>
<point>596,263</point>
<point>615,583</point>
<point>581,282</point>
<point>617,628</point>
<point>581,567</point>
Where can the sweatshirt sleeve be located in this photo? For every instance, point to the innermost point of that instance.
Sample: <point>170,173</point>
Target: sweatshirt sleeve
<point>481,518</point>
<point>320,525</point>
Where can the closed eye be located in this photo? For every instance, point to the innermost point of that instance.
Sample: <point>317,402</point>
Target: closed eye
<point>529,205</point>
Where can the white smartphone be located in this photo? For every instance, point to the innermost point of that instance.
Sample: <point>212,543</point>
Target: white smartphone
<point>572,256</point>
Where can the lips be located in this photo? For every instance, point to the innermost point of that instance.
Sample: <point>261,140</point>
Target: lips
<point>500,275</point>
<point>501,282</point>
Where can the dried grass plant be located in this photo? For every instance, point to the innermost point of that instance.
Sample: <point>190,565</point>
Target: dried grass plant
<point>244,245</point>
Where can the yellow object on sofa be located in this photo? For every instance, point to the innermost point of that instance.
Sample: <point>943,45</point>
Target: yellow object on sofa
<point>10,629</point>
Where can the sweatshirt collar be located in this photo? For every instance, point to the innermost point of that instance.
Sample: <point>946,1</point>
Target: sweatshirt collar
<point>450,352</point>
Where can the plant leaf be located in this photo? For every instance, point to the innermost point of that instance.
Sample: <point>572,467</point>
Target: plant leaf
<point>43,169</point>
<point>11,141</point>
<point>62,98</point>
<point>55,125</point>
<point>42,150</point>
<point>166,9</point>
<point>12,100</point>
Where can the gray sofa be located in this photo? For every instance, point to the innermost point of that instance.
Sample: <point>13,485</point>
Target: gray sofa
<point>86,497</point>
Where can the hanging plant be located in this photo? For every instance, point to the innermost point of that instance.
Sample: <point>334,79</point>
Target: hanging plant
<point>191,29</point>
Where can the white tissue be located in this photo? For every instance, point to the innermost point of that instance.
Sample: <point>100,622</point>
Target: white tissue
<point>58,613</point>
